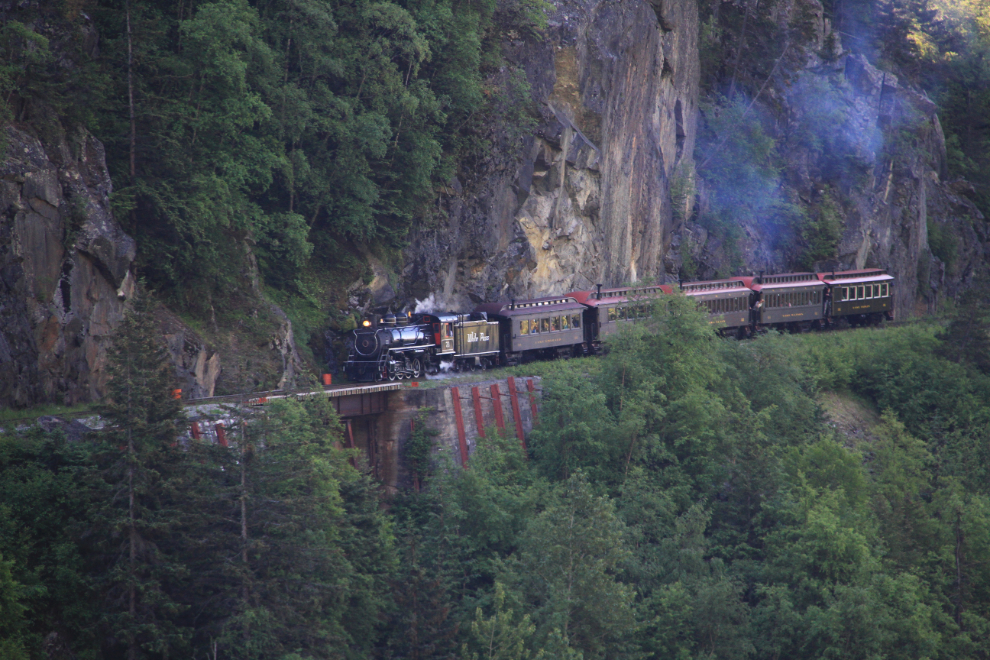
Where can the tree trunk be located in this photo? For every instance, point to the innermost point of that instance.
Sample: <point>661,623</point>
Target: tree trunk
<point>245,592</point>
<point>959,575</point>
<point>132,534</point>
<point>130,92</point>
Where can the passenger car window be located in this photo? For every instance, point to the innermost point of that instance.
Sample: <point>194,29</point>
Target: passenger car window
<point>611,314</point>
<point>565,322</point>
<point>575,320</point>
<point>554,324</point>
<point>524,327</point>
<point>534,326</point>
<point>544,325</point>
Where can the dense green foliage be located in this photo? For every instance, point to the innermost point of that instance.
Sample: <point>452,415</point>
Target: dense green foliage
<point>292,131</point>
<point>136,544</point>
<point>684,497</point>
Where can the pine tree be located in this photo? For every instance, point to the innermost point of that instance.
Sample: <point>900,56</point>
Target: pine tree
<point>12,620</point>
<point>142,464</point>
<point>569,561</point>
<point>313,551</point>
<point>967,337</point>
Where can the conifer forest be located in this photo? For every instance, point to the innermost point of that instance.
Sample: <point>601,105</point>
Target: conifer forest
<point>684,496</point>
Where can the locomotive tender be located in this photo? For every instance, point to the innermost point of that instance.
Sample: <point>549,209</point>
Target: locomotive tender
<point>571,325</point>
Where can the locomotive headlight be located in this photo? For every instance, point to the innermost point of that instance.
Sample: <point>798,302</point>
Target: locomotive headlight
<point>366,323</point>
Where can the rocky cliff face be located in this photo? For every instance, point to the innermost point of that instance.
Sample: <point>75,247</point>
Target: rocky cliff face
<point>65,266</point>
<point>877,158</point>
<point>585,198</point>
<point>66,273</point>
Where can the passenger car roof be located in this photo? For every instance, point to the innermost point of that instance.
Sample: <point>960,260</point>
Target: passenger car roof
<point>621,294</point>
<point>530,306</point>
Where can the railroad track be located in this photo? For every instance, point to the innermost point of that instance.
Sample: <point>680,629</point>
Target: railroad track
<point>331,391</point>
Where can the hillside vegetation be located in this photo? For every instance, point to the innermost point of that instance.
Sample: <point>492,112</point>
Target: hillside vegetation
<point>283,136</point>
<point>685,496</point>
<point>299,138</point>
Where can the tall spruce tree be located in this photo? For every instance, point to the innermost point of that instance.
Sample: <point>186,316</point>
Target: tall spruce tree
<point>142,498</point>
<point>313,550</point>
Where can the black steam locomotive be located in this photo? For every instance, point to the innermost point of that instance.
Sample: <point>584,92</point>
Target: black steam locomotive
<point>411,346</point>
<point>414,345</point>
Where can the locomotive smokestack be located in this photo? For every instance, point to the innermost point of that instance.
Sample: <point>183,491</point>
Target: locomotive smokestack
<point>599,291</point>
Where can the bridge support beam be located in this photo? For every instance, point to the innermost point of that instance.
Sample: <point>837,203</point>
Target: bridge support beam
<point>479,418</point>
<point>497,405</point>
<point>455,395</point>
<point>516,414</point>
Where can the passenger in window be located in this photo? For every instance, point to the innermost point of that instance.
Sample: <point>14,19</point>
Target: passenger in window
<point>554,324</point>
<point>544,325</point>
<point>565,322</point>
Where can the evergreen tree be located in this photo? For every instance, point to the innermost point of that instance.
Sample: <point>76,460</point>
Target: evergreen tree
<point>12,619</point>
<point>44,519</point>
<point>316,550</point>
<point>140,490</point>
<point>569,562</point>
<point>967,337</point>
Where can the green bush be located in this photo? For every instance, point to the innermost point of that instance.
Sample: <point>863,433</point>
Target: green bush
<point>943,243</point>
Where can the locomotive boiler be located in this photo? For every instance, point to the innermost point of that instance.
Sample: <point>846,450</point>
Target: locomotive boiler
<point>414,345</point>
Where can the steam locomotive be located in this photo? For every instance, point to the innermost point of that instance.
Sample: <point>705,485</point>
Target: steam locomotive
<point>414,345</point>
<point>508,333</point>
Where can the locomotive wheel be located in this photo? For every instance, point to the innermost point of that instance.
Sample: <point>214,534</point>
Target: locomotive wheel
<point>417,368</point>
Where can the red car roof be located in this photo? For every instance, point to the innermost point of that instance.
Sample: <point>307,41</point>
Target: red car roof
<point>615,295</point>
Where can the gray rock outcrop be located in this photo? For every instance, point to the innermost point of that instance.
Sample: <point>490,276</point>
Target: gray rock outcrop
<point>65,267</point>
<point>586,197</point>
<point>877,159</point>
